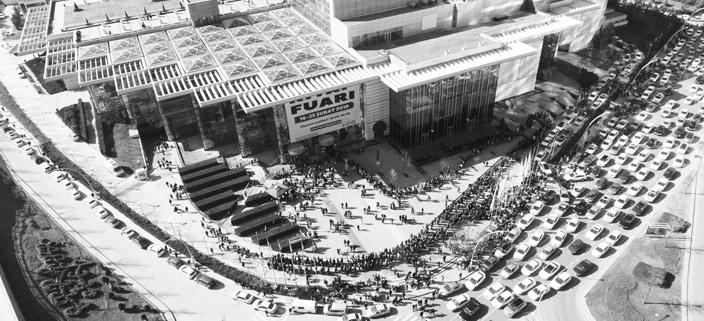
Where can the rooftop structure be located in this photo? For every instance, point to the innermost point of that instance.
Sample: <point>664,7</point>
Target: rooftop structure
<point>36,27</point>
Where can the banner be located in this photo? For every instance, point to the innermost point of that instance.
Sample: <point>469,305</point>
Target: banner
<point>323,113</point>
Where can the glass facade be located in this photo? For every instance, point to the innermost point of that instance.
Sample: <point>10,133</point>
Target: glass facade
<point>443,107</point>
<point>549,50</point>
<point>317,11</point>
<point>377,37</point>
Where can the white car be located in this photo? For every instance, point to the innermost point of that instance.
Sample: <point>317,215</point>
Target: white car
<point>594,212</point>
<point>670,104</point>
<point>689,100</point>
<point>632,149</point>
<point>244,296</point>
<point>594,232</point>
<point>266,305</point>
<point>504,298</point>
<point>522,251</point>
<point>549,270</point>
<point>600,249</point>
<point>538,292</point>
<point>661,185</point>
<point>513,235</point>
<point>458,302</point>
<point>635,189</point>
<point>559,238</point>
<point>666,113</point>
<point>535,238</point>
<point>572,225</point>
<point>188,271</point>
<point>546,252</point>
<point>638,138</point>
<point>642,116</point>
<point>604,201</point>
<point>622,159</point>
<point>578,191</point>
<point>525,221</point>
<point>551,221</point>
<point>664,154</point>
<point>524,286</point>
<point>612,215</point>
<point>682,149</point>
<point>622,141</point>
<point>643,156</point>
<point>493,290</point>
<point>670,143</point>
<point>622,202</point>
<point>651,196</point>
<point>642,174</point>
<point>679,161</point>
<point>591,149</point>
<point>537,208</point>
<point>657,164</point>
<point>658,98</point>
<point>474,280</point>
<point>561,280</point>
<point>76,195</point>
<point>92,202</point>
<point>531,267</point>
<point>634,167</point>
<point>614,237</point>
<point>603,161</point>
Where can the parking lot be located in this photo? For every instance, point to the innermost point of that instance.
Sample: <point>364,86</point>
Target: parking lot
<point>630,163</point>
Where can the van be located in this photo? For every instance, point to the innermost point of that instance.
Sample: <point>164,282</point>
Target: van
<point>48,168</point>
<point>303,306</point>
<point>335,308</point>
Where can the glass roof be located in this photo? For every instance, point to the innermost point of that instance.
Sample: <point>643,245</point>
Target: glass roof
<point>258,50</point>
<point>197,64</point>
<point>160,59</point>
<point>313,67</point>
<point>280,75</point>
<point>270,61</point>
<point>288,44</point>
<point>300,55</point>
<point>240,69</point>
<point>93,51</point>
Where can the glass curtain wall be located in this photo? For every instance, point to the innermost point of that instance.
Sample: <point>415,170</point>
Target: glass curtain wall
<point>317,11</point>
<point>443,107</point>
<point>549,50</point>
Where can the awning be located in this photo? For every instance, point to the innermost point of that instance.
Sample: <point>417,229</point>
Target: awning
<point>326,140</point>
<point>296,149</point>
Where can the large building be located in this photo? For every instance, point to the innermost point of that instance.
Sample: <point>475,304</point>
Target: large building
<point>305,73</point>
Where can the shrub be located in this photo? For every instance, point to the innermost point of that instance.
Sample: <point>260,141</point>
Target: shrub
<point>649,274</point>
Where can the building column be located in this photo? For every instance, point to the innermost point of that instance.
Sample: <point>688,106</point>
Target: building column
<point>204,132</point>
<point>167,125</point>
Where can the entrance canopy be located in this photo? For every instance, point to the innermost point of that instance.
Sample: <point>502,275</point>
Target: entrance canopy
<point>296,149</point>
<point>326,140</point>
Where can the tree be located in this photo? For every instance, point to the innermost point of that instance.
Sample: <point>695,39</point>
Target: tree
<point>16,18</point>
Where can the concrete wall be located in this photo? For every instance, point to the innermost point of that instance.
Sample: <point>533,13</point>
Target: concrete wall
<point>517,76</point>
<point>376,106</point>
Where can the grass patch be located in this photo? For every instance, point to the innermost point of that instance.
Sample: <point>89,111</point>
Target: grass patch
<point>677,224</point>
<point>620,296</point>
<point>36,65</point>
<point>61,280</point>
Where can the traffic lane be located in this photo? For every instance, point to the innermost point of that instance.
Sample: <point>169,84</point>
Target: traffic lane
<point>149,275</point>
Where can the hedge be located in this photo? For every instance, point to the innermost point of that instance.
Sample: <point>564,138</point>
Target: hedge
<point>243,278</point>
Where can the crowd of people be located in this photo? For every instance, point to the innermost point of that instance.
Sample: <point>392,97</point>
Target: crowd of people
<point>473,204</point>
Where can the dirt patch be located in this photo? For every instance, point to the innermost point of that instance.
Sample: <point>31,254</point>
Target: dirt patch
<point>622,298</point>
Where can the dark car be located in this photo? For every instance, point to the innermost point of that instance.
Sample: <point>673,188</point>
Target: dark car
<point>661,131</point>
<point>601,183</point>
<point>583,268</point>
<point>615,188</point>
<point>142,242</point>
<point>175,261</point>
<point>625,177</point>
<point>593,196</point>
<point>489,263</point>
<point>670,173</point>
<point>627,221</point>
<point>581,208</point>
<point>576,247</point>
<point>653,143</point>
<point>117,224</point>
<point>205,280</point>
<point>515,307</point>
<point>690,125</point>
<point>471,310</point>
<point>680,132</point>
<point>548,196</point>
<point>640,208</point>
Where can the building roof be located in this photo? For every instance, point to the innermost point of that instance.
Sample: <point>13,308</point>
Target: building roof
<point>397,79</point>
<point>573,7</point>
<point>36,27</point>
<point>531,27</point>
